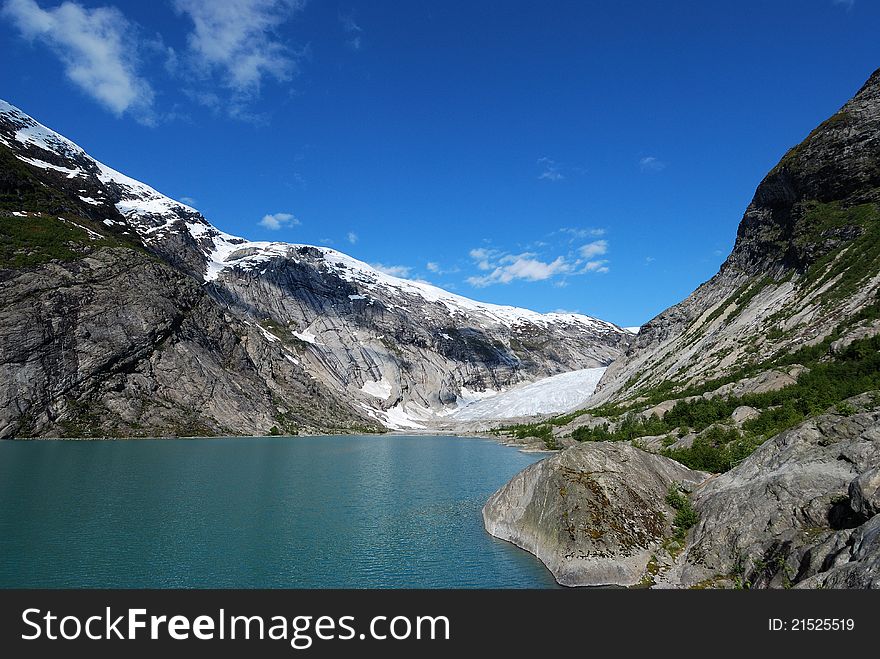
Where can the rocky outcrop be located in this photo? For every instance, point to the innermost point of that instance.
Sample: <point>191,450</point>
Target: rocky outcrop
<point>593,514</point>
<point>800,511</point>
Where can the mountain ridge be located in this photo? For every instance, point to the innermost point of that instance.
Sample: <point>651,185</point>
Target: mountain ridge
<point>399,352</point>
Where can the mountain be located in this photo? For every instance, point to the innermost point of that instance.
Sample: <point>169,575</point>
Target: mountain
<point>127,313</point>
<point>767,377</point>
<point>804,267</point>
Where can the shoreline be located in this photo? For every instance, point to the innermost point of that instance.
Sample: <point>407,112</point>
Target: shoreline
<point>503,441</point>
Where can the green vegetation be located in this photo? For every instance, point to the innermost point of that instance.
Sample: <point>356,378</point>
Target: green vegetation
<point>21,190</point>
<point>715,451</point>
<point>850,264</point>
<point>544,432</point>
<point>790,159</point>
<point>35,239</point>
<point>685,515</point>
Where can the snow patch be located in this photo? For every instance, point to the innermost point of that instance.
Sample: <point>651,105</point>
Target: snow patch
<point>397,418</point>
<point>306,336</point>
<point>380,389</point>
<point>71,173</point>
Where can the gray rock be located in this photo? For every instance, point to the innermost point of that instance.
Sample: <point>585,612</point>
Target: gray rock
<point>864,493</point>
<point>684,442</point>
<point>855,565</point>
<point>119,344</point>
<point>788,511</point>
<point>593,513</point>
<point>743,413</point>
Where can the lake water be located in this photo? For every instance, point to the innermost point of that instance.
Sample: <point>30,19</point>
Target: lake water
<point>322,512</point>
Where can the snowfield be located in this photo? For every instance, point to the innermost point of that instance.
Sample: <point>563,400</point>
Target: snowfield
<point>554,395</point>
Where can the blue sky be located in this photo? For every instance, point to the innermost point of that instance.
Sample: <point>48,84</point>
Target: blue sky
<point>587,156</point>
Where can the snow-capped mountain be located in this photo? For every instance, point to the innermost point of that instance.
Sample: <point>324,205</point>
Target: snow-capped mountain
<point>402,350</point>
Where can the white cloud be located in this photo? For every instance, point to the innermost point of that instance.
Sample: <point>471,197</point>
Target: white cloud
<point>433,267</point>
<point>483,256</point>
<point>239,39</point>
<point>550,170</point>
<point>276,221</point>
<point>98,48</point>
<point>847,4</point>
<point>504,267</point>
<point>393,270</point>
<point>521,266</point>
<point>651,164</point>
<point>595,248</point>
<point>189,201</point>
<point>352,237</point>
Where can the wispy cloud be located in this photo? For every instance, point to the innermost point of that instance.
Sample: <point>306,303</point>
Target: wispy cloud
<point>593,249</point>
<point>276,221</point>
<point>239,40</point>
<point>577,233</point>
<point>652,164</point>
<point>353,31</point>
<point>393,270</point>
<point>437,269</point>
<point>98,48</point>
<point>352,237</point>
<point>600,266</point>
<point>847,4</point>
<point>189,201</point>
<point>549,170</point>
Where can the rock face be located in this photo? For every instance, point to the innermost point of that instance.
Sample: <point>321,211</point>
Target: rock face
<point>322,331</point>
<point>593,513</point>
<point>118,344</point>
<point>804,264</point>
<point>800,511</point>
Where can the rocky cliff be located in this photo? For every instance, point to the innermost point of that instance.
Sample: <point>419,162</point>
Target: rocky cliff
<point>126,312</point>
<point>806,262</point>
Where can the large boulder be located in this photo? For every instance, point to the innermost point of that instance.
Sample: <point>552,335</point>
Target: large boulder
<point>594,513</point>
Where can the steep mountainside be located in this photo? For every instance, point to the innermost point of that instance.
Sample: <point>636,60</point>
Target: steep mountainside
<point>362,348</point>
<point>805,265</point>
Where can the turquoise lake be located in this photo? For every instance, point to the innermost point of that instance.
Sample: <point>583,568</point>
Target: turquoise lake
<point>320,512</point>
